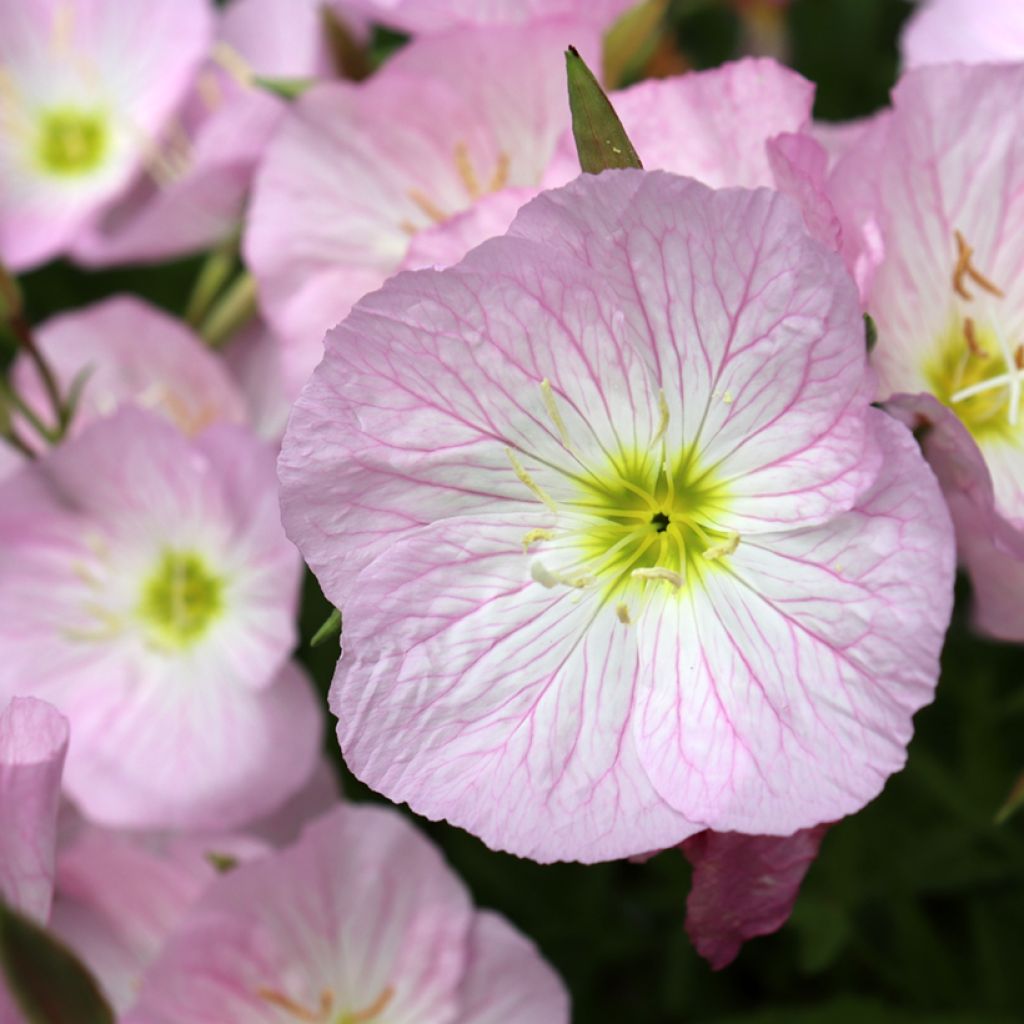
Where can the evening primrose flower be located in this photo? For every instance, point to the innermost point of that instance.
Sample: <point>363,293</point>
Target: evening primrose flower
<point>357,171</point>
<point>85,90</point>
<point>932,213</point>
<point>621,549</point>
<point>948,30</point>
<point>148,592</point>
<point>359,922</point>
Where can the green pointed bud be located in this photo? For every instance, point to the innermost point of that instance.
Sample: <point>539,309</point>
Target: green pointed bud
<point>12,304</point>
<point>350,59</point>
<point>1014,802</point>
<point>601,141</point>
<point>330,628</point>
<point>48,982</point>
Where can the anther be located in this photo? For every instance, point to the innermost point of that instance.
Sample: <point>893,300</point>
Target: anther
<point>556,417</point>
<point>623,613</point>
<point>464,165</point>
<point>528,480</point>
<point>965,268</point>
<point>727,398</point>
<point>971,337</point>
<point>535,535</point>
<point>499,179</point>
<point>373,1010</point>
<point>663,414</point>
<point>726,547</point>
<point>427,205</point>
<point>1018,357</point>
<point>658,573</point>
<point>234,64</point>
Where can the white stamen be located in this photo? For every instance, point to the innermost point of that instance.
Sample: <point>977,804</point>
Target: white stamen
<point>726,547</point>
<point>528,480</point>
<point>535,535</point>
<point>663,422</point>
<point>556,417</point>
<point>657,573</point>
<point>623,613</point>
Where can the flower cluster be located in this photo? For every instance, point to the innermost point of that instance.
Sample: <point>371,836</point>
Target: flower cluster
<point>636,542</point>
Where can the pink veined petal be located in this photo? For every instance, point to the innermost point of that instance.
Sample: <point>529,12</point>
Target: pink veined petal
<point>33,743</point>
<point>210,757</point>
<point>476,695</point>
<point>800,165</point>
<point>117,901</point>
<point>359,905</point>
<point>782,695</point>
<point>338,197</point>
<point>962,30</point>
<point>991,548</point>
<point>711,125</point>
<point>507,981</point>
<point>743,886</point>
<point>751,328</point>
<point>134,354</point>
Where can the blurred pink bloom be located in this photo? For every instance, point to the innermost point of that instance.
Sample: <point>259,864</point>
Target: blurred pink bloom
<point>360,920</point>
<point>200,174</point>
<point>137,355</point>
<point>86,88</point>
<point>428,16</point>
<point>357,171</point>
<point>743,886</point>
<point>550,640</point>
<point>932,202</point>
<point>148,592</point>
<point>740,124</point>
<point>253,359</point>
<point>964,30</point>
<point>33,743</point>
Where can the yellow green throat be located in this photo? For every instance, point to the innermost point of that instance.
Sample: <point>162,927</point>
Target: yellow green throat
<point>72,142</point>
<point>180,600</point>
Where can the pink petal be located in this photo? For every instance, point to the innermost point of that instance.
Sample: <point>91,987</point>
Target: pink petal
<point>134,354</point>
<point>33,742</point>
<point>443,15</point>
<point>475,695</point>
<point>963,30</point>
<point>785,696</point>
<point>362,903</point>
<point>506,980</point>
<point>743,886</point>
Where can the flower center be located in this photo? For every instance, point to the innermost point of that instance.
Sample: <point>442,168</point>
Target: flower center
<point>72,142</point>
<point>180,600</point>
<point>322,1014</point>
<point>643,518</point>
<point>979,370</point>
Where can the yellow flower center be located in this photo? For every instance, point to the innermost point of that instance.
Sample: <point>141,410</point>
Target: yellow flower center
<point>181,600</point>
<point>72,142</point>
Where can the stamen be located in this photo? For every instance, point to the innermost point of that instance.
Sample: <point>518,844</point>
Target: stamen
<point>1018,357</point>
<point>727,398</point>
<point>428,206</point>
<point>623,613</point>
<point>373,1010</point>
<point>541,574</point>
<point>663,418</point>
<point>528,480</point>
<point>726,547</point>
<point>972,339</point>
<point>500,177</point>
<point>965,268</point>
<point>62,29</point>
<point>535,535</point>
<point>408,227</point>
<point>297,1010</point>
<point>210,92</point>
<point>467,173</point>
<point>657,573</point>
<point>1003,380</point>
<point>549,403</point>
<point>234,64</point>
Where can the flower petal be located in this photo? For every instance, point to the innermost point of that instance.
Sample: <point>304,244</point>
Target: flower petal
<point>782,695</point>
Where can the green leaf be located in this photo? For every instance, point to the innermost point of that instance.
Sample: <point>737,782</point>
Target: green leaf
<point>601,141</point>
<point>48,982</point>
<point>330,628</point>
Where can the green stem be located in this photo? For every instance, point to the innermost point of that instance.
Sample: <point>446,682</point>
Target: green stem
<point>235,308</point>
<point>19,328</point>
<point>15,401</point>
<point>213,275</point>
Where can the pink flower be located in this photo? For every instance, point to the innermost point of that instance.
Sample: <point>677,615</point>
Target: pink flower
<point>442,15</point>
<point>932,200</point>
<point>357,171</point>
<point>964,30</point>
<point>87,86</point>
<point>200,172</point>
<point>359,920</point>
<point>134,354</point>
<point>552,641</point>
<point>743,886</point>
<point>149,593</point>
<point>33,744</point>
